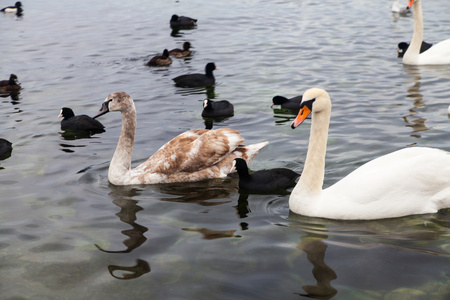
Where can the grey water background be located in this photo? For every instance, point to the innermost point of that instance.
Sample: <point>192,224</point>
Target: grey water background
<point>66,233</point>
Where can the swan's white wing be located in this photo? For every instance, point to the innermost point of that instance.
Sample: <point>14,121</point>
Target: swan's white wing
<point>408,181</point>
<point>437,54</point>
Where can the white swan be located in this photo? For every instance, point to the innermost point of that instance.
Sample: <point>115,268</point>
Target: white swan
<point>194,155</point>
<point>405,182</point>
<point>438,54</point>
<point>401,9</point>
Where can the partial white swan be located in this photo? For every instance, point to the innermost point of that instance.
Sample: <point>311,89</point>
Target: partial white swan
<point>438,54</point>
<point>410,181</point>
<point>401,9</point>
<point>194,155</point>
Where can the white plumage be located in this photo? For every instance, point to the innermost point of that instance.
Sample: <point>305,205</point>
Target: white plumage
<point>405,182</point>
<point>397,8</point>
<point>438,54</point>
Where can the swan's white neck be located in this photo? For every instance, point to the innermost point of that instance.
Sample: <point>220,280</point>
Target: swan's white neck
<point>121,162</point>
<point>309,188</point>
<point>412,54</point>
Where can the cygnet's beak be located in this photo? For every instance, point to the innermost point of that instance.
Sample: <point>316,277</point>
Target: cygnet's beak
<point>103,110</point>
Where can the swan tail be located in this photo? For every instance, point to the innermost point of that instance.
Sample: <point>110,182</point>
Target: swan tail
<point>249,152</point>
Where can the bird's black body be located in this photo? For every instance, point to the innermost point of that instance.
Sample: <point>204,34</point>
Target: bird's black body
<point>80,122</point>
<point>264,180</point>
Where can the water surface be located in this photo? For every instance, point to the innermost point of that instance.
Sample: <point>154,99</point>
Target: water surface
<point>66,233</point>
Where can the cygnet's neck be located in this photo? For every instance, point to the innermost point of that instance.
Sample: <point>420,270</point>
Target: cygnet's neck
<point>121,161</point>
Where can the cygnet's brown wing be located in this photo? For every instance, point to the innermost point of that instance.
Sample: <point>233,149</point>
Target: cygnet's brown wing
<point>192,151</point>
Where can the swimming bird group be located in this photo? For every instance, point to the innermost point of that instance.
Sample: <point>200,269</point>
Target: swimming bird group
<point>194,155</point>
<point>415,180</point>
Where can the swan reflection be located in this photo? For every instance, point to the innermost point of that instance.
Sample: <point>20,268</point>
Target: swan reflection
<point>421,234</point>
<point>413,92</point>
<point>201,192</point>
<point>142,267</point>
<point>315,249</point>
<point>127,214</point>
<point>136,237</point>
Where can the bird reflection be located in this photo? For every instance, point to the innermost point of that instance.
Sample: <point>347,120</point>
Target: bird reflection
<point>142,267</point>
<point>413,92</point>
<point>209,122</point>
<point>242,207</point>
<point>417,233</point>
<point>315,248</point>
<point>71,135</point>
<point>13,95</point>
<point>200,193</point>
<point>127,214</point>
<point>208,90</point>
<point>178,33</point>
<point>209,234</point>
<point>283,118</point>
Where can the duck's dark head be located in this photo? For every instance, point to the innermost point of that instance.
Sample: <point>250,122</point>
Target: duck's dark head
<point>207,104</point>
<point>13,79</point>
<point>402,47</point>
<point>278,100</point>
<point>240,165</point>
<point>66,113</point>
<point>186,46</point>
<point>210,67</point>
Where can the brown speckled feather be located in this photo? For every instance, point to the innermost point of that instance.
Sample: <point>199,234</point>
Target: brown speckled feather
<point>193,150</point>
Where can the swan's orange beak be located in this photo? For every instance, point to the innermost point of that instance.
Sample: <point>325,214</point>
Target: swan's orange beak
<point>410,3</point>
<point>302,114</point>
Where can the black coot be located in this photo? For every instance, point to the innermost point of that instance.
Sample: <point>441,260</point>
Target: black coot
<point>215,109</point>
<point>197,79</point>
<point>264,180</point>
<point>81,122</point>
<point>291,103</point>
<point>182,22</point>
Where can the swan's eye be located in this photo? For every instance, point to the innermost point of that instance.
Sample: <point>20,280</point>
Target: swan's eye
<point>307,103</point>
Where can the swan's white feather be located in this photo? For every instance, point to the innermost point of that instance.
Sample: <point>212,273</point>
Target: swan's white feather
<point>438,54</point>
<point>405,182</point>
